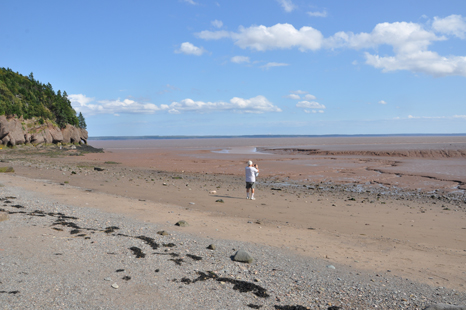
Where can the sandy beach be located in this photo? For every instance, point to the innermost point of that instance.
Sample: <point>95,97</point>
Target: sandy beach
<point>388,207</point>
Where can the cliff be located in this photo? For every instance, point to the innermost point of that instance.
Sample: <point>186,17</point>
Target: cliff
<point>14,131</point>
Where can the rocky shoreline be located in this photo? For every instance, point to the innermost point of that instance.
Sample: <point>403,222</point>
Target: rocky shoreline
<point>56,256</point>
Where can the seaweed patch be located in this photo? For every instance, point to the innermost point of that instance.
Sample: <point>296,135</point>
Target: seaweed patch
<point>137,251</point>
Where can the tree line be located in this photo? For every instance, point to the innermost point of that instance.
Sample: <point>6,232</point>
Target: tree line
<point>27,97</point>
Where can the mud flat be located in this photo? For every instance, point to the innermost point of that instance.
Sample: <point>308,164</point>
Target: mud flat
<point>391,246</point>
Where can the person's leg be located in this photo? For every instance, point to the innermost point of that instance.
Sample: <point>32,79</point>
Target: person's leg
<point>252,194</point>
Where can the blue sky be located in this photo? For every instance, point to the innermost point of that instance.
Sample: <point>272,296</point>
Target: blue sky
<point>202,67</point>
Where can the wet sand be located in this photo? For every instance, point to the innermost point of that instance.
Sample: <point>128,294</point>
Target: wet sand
<point>386,204</point>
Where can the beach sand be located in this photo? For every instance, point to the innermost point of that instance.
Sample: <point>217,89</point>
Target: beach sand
<point>389,205</point>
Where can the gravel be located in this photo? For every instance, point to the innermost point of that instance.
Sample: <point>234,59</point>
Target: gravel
<point>56,256</point>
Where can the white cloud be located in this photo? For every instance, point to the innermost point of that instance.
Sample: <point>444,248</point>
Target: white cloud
<point>310,105</point>
<point>189,49</point>
<point>262,38</point>
<point>410,43</point>
<point>239,59</point>
<point>382,102</point>
<point>310,97</point>
<point>299,92</point>
<point>273,64</point>
<point>287,5</point>
<point>79,100</point>
<point>317,14</point>
<point>87,106</point>
<point>190,2</point>
<point>293,96</point>
<point>460,116</point>
<point>452,25</point>
<point>258,104</point>
<point>83,104</point>
<point>217,23</point>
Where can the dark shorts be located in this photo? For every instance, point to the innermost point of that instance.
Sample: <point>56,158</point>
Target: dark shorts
<point>250,185</point>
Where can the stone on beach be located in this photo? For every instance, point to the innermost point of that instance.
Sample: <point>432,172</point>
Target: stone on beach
<point>243,257</point>
<point>212,247</point>
<point>163,233</point>
<point>182,223</point>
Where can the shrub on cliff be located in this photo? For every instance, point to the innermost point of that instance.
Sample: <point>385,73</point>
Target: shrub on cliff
<point>27,97</point>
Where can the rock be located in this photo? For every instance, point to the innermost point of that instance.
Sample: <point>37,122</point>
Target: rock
<point>445,307</point>
<point>115,286</point>
<point>330,267</point>
<point>6,169</point>
<point>98,169</point>
<point>108,279</point>
<point>243,257</point>
<point>213,192</point>
<point>3,216</point>
<point>27,138</point>
<point>163,233</point>
<point>56,134</point>
<point>71,134</point>
<point>219,200</point>
<point>182,223</point>
<point>212,247</point>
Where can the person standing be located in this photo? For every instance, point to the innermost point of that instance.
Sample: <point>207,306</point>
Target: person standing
<point>251,173</point>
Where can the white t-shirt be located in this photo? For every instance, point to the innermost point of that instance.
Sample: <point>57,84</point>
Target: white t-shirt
<point>251,174</point>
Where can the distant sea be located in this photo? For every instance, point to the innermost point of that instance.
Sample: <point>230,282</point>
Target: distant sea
<point>270,136</point>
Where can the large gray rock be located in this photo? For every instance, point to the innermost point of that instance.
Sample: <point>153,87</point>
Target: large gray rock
<point>71,134</point>
<point>243,257</point>
<point>445,307</point>
<point>84,135</point>
<point>57,135</point>
<point>4,127</point>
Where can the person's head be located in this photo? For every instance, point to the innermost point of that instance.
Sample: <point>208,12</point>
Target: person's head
<point>249,163</point>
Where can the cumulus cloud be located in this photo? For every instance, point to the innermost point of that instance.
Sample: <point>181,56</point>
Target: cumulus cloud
<point>84,104</point>
<point>189,49</point>
<point>293,96</point>
<point>452,25</point>
<point>239,59</point>
<point>262,38</point>
<point>382,102</point>
<point>258,104</point>
<point>410,43</point>
<point>88,106</point>
<point>273,64</point>
<point>310,97</point>
<point>310,105</point>
<point>317,14</point>
<point>190,2</point>
<point>287,5</point>
<point>217,23</point>
<point>299,92</point>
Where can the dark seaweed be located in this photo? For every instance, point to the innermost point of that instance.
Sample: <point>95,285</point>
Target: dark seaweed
<point>137,251</point>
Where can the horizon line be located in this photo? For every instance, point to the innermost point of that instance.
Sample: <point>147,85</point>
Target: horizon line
<point>156,137</point>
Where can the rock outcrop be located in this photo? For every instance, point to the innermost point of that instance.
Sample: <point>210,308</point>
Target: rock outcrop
<point>14,131</point>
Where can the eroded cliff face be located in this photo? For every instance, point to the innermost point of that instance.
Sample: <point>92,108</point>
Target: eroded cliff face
<point>15,131</point>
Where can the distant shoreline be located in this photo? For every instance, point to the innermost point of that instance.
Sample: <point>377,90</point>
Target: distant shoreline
<point>271,136</point>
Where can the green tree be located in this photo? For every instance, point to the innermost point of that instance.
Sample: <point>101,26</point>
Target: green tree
<point>82,121</point>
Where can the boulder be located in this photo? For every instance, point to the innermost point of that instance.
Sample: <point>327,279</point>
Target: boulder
<point>84,135</point>
<point>56,134</point>
<point>28,137</point>
<point>243,257</point>
<point>71,134</point>
<point>4,126</point>
<point>6,140</point>
<point>37,138</point>
<point>17,133</point>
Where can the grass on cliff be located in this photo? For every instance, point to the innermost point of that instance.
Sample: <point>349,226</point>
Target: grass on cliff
<point>49,150</point>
